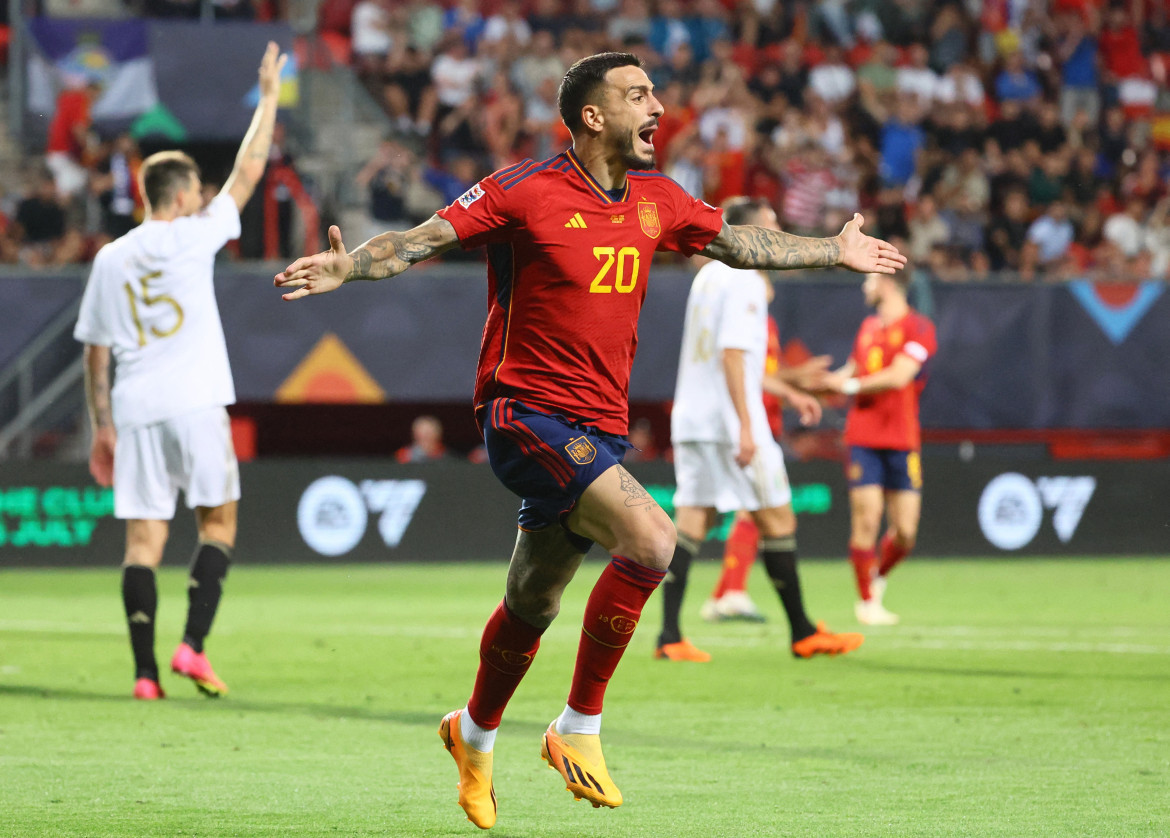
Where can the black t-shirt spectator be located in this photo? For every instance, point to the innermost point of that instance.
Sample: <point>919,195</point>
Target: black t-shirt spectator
<point>41,220</point>
<point>1005,237</point>
<point>1013,133</point>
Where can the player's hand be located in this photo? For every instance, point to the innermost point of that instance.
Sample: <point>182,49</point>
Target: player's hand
<point>270,67</point>
<point>747,448</point>
<point>325,271</point>
<point>810,374</point>
<point>866,254</point>
<point>101,456</point>
<point>834,382</point>
<point>807,406</point>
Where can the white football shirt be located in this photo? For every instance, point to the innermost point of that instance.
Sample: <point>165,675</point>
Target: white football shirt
<point>727,309</point>
<point>150,298</point>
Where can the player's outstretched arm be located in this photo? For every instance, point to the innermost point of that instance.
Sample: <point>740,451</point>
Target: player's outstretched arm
<point>253,154</point>
<point>388,254</point>
<point>745,246</point>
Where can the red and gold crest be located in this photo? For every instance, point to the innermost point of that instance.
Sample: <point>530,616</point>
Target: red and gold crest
<point>648,219</point>
<point>581,450</point>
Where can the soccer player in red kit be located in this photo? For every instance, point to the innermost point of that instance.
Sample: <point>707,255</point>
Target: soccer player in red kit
<point>885,374</point>
<point>569,243</point>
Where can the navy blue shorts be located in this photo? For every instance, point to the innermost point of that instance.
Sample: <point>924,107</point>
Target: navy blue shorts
<point>893,470</point>
<point>547,460</point>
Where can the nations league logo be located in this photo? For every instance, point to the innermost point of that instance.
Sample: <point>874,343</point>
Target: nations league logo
<point>333,512</point>
<point>1012,506</point>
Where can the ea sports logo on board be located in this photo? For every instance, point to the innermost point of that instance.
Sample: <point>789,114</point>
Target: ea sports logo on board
<point>333,512</point>
<point>1011,508</point>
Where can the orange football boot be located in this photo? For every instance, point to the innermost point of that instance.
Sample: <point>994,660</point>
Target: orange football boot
<point>824,642</point>
<point>477,795</point>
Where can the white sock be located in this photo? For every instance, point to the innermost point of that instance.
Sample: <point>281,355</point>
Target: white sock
<point>475,736</point>
<point>570,721</point>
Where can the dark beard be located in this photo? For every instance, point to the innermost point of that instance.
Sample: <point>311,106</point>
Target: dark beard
<point>632,160</point>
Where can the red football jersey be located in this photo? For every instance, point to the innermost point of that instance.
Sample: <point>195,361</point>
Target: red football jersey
<point>889,419</point>
<point>567,270</point>
<point>772,404</point>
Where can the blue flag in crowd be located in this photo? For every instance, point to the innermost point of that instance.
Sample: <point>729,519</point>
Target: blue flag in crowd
<point>72,53</point>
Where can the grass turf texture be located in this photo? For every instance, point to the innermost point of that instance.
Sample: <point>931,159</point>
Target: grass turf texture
<point>1019,698</point>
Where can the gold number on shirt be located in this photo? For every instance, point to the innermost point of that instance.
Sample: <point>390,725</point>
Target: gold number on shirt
<point>874,359</point>
<point>147,299</point>
<point>624,281</point>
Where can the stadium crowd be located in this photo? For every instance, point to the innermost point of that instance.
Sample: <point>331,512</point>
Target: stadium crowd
<point>1014,138</point>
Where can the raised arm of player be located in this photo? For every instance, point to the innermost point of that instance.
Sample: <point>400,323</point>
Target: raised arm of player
<point>101,415</point>
<point>253,154</point>
<point>387,254</point>
<point>733,373</point>
<point>745,246</point>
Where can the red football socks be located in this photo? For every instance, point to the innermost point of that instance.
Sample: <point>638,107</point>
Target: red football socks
<point>743,543</point>
<point>863,561</point>
<point>506,650</point>
<point>892,552</point>
<point>611,615</point>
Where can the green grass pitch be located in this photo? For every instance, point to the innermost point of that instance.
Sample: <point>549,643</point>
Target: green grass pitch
<point>1018,698</point>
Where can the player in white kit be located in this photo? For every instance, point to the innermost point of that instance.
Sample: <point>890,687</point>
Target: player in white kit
<point>725,458</point>
<point>150,302</point>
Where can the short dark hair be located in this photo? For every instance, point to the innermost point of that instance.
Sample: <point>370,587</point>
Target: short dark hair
<point>165,173</point>
<point>741,210</point>
<point>580,85</point>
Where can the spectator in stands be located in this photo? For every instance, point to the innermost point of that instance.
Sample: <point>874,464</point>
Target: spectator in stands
<point>39,231</point>
<point>372,35</point>
<point>508,26</point>
<point>1076,49</point>
<point>1008,231</point>
<point>832,79</point>
<point>917,79</point>
<point>463,19</point>
<point>902,139</point>
<point>115,183</point>
<point>451,181</point>
<point>386,177</point>
<point>536,64</point>
<point>927,230</point>
<point>69,138</point>
<point>1017,81</point>
<point>633,21</point>
<point>407,91</point>
<point>1052,233</point>
<point>1126,229</point>
<point>426,442</point>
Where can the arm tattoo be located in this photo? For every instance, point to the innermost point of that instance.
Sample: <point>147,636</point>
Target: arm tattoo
<point>97,389</point>
<point>743,246</point>
<point>635,494</point>
<point>389,254</point>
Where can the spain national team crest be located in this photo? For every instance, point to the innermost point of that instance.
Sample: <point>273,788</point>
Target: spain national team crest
<point>648,218</point>
<point>581,450</point>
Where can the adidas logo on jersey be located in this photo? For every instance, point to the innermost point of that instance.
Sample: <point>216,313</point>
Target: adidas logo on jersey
<point>576,222</point>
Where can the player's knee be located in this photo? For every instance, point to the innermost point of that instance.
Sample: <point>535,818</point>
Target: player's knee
<point>653,545</point>
<point>537,608</point>
<point>906,537</point>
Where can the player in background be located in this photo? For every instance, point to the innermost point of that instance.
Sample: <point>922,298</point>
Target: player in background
<point>569,245</point>
<point>150,302</point>
<point>885,374</point>
<point>729,599</point>
<point>725,457</point>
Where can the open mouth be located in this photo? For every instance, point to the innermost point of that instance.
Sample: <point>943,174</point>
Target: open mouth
<point>646,135</point>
